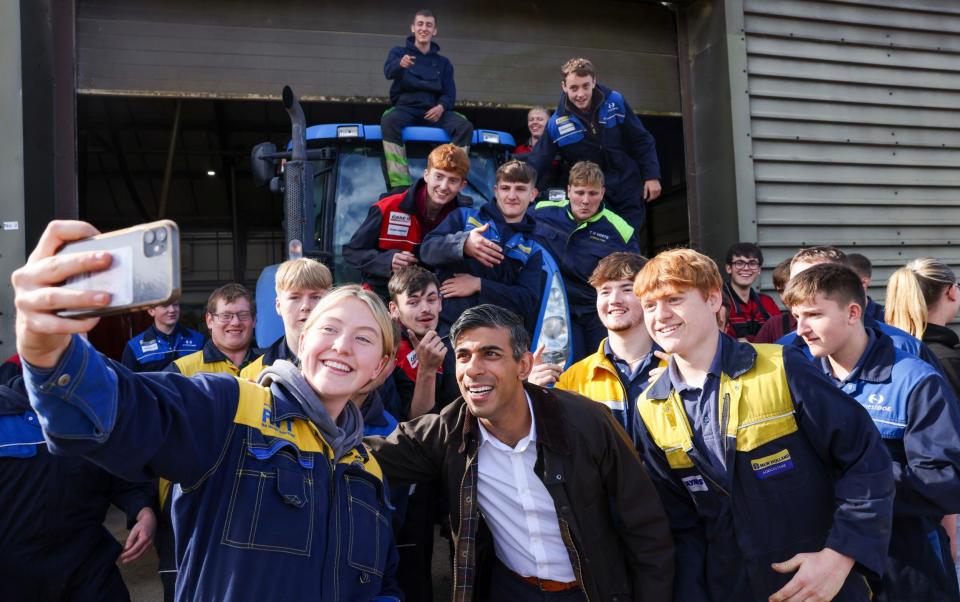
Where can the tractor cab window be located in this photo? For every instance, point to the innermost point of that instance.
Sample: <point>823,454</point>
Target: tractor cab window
<point>359,184</point>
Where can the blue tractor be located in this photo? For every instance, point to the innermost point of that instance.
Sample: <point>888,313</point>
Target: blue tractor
<point>329,176</point>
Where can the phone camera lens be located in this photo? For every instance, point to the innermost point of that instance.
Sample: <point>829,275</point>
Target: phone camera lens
<point>148,237</point>
<point>161,235</point>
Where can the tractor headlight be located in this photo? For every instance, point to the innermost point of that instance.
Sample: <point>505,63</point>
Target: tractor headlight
<point>554,333</point>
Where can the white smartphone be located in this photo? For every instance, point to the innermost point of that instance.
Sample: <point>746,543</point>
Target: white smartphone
<point>145,270</point>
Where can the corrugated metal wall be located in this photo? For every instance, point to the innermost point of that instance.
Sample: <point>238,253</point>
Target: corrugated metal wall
<point>854,115</point>
<point>504,52</point>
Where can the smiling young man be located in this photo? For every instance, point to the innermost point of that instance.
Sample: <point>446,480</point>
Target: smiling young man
<point>747,309</point>
<point>594,123</point>
<point>424,376</point>
<point>164,341</point>
<point>777,485</point>
<point>578,233</point>
<point>545,474</point>
<point>390,237</point>
<point>230,316</point>
<point>423,93</point>
<point>300,284</point>
<point>916,413</point>
<point>619,370</point>
<point>488,255</point>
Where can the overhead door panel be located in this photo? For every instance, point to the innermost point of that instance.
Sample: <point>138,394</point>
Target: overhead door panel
<point>504,53</point>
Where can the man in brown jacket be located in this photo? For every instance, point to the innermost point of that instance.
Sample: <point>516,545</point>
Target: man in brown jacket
<point>548,498</point>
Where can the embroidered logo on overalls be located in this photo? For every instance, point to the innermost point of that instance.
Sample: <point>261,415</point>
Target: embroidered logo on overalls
<point>695,483</point>
<point>771,465</point>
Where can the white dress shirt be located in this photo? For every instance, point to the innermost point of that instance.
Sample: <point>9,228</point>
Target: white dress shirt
<point>518,508</point>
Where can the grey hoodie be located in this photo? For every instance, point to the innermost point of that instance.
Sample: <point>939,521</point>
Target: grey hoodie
<point>343,436</point>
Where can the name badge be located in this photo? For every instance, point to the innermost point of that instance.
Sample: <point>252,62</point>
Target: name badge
<point>771,465</point>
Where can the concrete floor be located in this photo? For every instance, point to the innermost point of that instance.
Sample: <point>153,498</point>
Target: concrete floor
<point>144,584</point>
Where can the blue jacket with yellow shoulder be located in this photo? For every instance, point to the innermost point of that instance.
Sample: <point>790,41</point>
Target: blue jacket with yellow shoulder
<point>263,512</point>
<point>515,283</point>
<point>805,469</point>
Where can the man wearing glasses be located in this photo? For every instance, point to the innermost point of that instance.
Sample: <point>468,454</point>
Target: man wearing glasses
<point>747,309</point>
<point>230,315</point>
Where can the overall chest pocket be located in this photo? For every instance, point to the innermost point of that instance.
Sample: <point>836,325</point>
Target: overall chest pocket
<point>775,473</point>
<point>369,525</point>
<point>271,506</point>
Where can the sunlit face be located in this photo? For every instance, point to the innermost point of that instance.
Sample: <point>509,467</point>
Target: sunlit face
<point>579,90</point>
<point>681,321</point>
<point>236,334</point>
<point>585,200</point>
<point>490,380</point>
<point>342,351</point>
<point>536,121</point>
<point>513,198</point>
<point>619,309</point>
<point>419,311</point>
<point>424,29</point>
<point>443,186</point>
<point>743,271</point>
<point>825,325</point>
<point>294,307</point>
<point>165,316</point>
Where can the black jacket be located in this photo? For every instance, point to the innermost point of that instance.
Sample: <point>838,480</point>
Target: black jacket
<point>945,344</point>
<point>609,512</point>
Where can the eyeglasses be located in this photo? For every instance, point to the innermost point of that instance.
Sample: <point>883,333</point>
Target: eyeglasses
<point>225,317</point>
<point>753,264</point>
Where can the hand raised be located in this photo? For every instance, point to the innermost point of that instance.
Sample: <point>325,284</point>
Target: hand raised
<point>407,61</point>
<point>543,374</point>
<point>430,350</point>
<point>485,251</point>
<point>42,335</point>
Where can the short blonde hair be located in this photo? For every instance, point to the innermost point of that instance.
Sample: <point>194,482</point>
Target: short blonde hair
<point>303,273</point>
<point>449,157</point>
<point>676,271</point>
<point>377,308</point>
<point>585,173</point>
